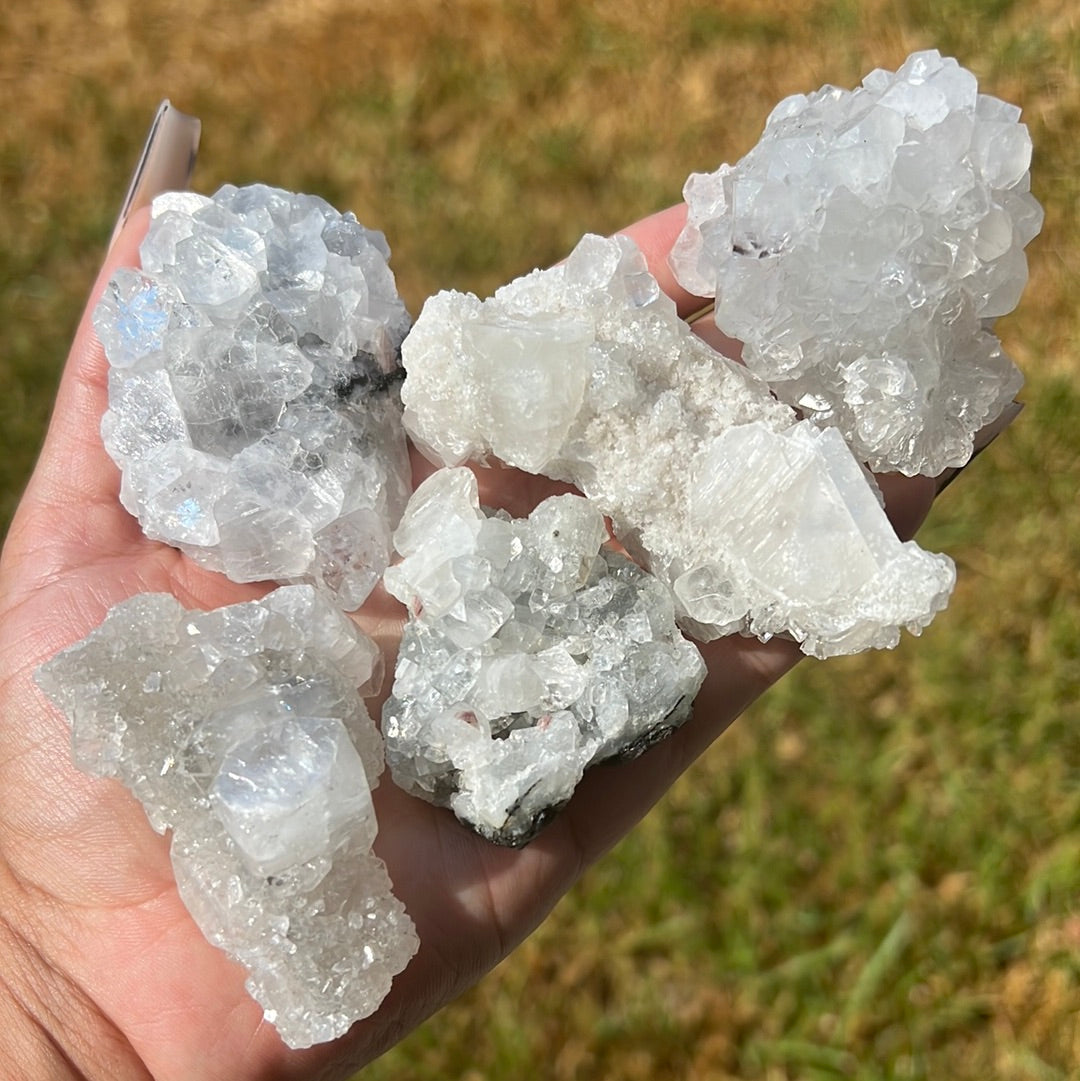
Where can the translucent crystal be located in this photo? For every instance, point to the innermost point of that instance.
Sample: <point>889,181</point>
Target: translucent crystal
<point>746,513</point>
<point>531,652</point>
<point>253,390</point>
<point>243,732</point>
<point>862,250</point>
<point>806,548</point>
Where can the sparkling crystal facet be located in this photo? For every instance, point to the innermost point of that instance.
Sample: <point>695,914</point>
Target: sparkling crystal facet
<point>243,732</point>
<point>862,250</point>
<point>728,499</point>
<point>253,401</point>
<point>531,652</point>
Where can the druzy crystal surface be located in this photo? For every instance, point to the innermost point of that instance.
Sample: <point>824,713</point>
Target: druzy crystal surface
<point>760,523</point>
<point>253,388</point>
<point>531,652</point>
<point>243,732</point>
<point>862,250</point>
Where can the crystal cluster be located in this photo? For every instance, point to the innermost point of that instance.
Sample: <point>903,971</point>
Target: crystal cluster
<point>253,390</point>
<point>243,731</point>
<point>531,652</point>
<point>760,523</point>
<point>861,252</point>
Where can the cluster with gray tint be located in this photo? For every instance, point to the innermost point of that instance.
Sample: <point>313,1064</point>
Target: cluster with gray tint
<point>253,388</point>
<point>862,250</point>
<point>243,732</point>
<point>531,653</point>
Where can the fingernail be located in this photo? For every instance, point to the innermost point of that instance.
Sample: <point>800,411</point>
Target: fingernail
<point>983,438</point>
<point>165,163</point>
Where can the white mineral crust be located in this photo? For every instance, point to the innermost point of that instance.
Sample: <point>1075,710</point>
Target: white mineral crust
<point>243,731</point>
<point>862,251</point>
<point>253,388</point>
<point>759,523</point>
<point>531,652</point>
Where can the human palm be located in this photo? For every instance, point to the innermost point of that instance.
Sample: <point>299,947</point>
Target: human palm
<point>102,960</point>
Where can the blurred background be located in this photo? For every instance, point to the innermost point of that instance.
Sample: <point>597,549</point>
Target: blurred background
<point>875,873</point>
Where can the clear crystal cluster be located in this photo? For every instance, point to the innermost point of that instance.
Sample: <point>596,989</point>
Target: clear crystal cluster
<point>759,523</point>
<point>243,731</point>
<point>531,652</point>
<point>861,252</point>
<point>253,388</point>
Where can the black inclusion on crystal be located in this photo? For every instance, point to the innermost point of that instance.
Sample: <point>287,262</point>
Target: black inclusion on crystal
<point>367,378</point>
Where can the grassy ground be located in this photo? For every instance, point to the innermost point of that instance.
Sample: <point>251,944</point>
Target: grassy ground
<point>875,874</point>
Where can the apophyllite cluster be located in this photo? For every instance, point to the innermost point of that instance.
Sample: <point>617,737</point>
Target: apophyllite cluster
<point>264,376</point>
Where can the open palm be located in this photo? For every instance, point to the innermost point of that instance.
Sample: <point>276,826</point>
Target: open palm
<point>108,975</point>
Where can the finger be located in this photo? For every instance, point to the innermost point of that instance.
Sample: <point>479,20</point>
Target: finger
<point>612,798</point>
<point>501,486</point>
<point>983,438</point>
<point>655,236</point>
<point>706,329</point>
<point>907,501</point>
<point>73,467</point>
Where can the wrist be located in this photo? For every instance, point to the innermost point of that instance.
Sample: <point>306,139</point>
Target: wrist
<point>49,1028</point>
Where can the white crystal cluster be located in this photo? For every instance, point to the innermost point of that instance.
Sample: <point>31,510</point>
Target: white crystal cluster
<point>531,652</point>
<point>760,523</point>
<point>253,388</point>
<point>861,252</point>
<point>243,731</point>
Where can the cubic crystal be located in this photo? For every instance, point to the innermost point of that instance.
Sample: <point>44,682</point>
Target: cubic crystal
<point>861,252</point>
<point>253,388</point>
<point>585,372</point>
<point>531,652</point>
<point>243,731</point>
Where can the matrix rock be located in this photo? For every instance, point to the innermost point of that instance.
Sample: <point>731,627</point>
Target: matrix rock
<point>862,250</point>
<point>243,731</point>
<point>253,388</point>
<point>531,653</point>
<point>758,523</point>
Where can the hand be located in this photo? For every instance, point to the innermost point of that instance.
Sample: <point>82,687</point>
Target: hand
<point>103,974</point>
